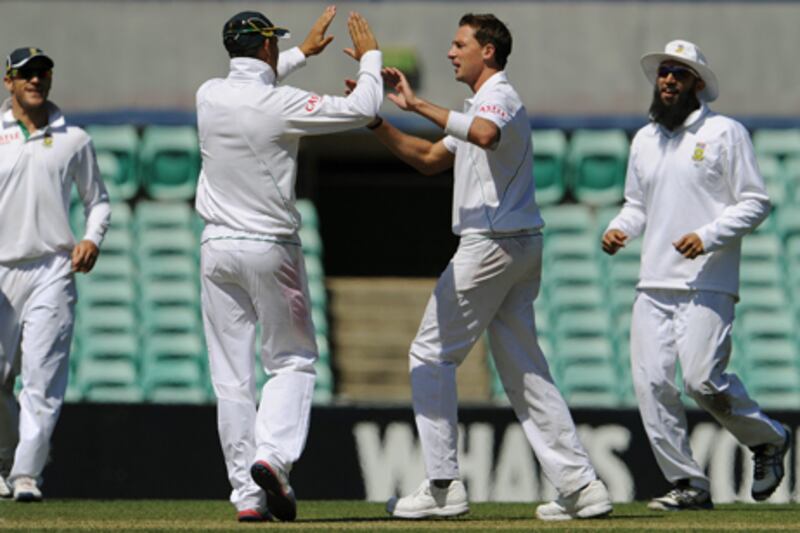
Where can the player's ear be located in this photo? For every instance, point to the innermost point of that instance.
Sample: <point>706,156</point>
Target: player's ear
<point>700,85</point>
<point>488,53</point>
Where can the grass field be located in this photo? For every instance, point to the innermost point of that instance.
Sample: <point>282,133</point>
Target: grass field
<point>154,515</point>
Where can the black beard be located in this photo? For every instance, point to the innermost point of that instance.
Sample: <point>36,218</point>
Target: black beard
<point>672,116</point>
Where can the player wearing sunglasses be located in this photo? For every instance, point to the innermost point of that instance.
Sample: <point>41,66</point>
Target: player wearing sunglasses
<point>40,158</point>
<point>693,190</point>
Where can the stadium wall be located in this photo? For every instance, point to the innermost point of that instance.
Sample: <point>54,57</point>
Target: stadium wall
<point>569,58</point>
<point>368,452</point>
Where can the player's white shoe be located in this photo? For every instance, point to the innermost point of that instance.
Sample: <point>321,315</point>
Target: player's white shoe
<point>682,497</point>
<point>253,515</point>
<point>26,490</point>
<point>5,490</point>
<point>280,496</point>
<point>431,501</point>
<point>768,467</point>
<point>592,501</point>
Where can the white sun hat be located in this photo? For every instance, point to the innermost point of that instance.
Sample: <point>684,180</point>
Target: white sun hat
<point>690,55</point>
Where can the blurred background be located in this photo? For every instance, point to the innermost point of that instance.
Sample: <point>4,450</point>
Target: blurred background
<point>376,234</point>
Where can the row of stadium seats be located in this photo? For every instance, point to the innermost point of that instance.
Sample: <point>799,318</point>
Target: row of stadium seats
<point>590,165</point>
<point>138,332</point>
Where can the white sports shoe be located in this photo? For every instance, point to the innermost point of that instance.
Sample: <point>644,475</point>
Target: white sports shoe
<point>768,467</point>
<point>429,501</point>
<point>26,490</point>
<point>592,501</point>
<point>5,490</point>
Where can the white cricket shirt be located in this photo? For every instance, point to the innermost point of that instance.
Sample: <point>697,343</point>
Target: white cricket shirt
<point>701,178</point>
<point>36,176</point>
<point>249,130</point>
<point>494,190</point>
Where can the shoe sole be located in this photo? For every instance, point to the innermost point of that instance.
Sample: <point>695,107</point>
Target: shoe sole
<point>27,498</point>
<point>280,504</point>
<point>251,516</point>
<point>763,495</point>
<point>598,510</point>
<point>444,512</point>
<point>655,506</point>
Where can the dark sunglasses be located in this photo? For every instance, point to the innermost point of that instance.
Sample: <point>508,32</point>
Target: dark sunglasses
<point>679,73</point>
<point>30,73</point>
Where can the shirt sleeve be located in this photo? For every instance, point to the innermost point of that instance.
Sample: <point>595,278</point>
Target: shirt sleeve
<point>450,143</point>
<point>289,61</point>
<point>747,187</point>
<point>92,192</point>
<point>497,108</point>
<point>307,113</point>
<point>632,218</point>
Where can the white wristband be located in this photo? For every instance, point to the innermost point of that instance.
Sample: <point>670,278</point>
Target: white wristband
<point>458,125</point>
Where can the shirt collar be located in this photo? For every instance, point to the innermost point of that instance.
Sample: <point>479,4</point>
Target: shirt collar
<point>55,118</point>
<point>495,79</point>
<point>693,118</point>
<point>249,69</point>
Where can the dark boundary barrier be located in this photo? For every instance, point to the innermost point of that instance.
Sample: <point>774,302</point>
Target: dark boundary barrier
<point>163,451</point>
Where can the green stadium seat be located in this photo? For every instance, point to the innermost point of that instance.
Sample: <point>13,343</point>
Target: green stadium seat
<point>597,162</point>
<point>115,293</point>
<point>787,223</point>
<point>113,268</point>
<point>122,144</point>
<point>773,172</point>
<point>765,380</point>
<point>623,275</point>
<point>323,386</point>
<point>170,394</point>
<point>172,319</point>
<point>772,352</point>
<point>318,294</point>
<point>311,241</point>
<point>571,272</point>
<point>106,320</point>
<point>170,162</point>
<point>590,385</point>
<point>178,373</point>
<point>571,299</point>
<point>583,324</point>
<point>791,170</point>
<point>110,169</point>
<point>320,320</point>
<point>117,242</point>
<point>93,372</point>
<point>760,299</point>
<point>767,325</point>
<point>761,247</point>
<point>111,347</point>
<point>780,143</point>
<point>761,274</point>
<point>162,215</point>
<point>167,242</point>
<point>314,269</point>
<point>549,161</point>
<point>561,247</point>
<point>114,394</point>
<point>308,213</point>
<point>596,349</point>
<point>567,218</point>
<point>162,347</point>
<point>169,267</point>
<point>168,293</point>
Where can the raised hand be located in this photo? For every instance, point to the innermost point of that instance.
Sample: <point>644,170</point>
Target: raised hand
<point>316,40</point>
<point>404,96</point>
<point>361,34</point>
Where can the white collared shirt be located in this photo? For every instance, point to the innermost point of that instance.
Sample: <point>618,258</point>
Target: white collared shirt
<point>249,131</point>
<point>36,176</point>
<point>494,190</point>
<point>701,178</point>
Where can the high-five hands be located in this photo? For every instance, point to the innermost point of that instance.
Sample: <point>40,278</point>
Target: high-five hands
<point>316,40</point>
<point>404,96</point>
<point>361,35</point>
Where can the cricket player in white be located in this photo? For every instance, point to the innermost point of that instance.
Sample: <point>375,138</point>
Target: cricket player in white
<point>40,158</point>
<point>693,189</point>
<point>252,264</point>
<point>491,281</point>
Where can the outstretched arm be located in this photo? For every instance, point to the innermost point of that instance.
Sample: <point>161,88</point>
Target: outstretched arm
<point>427,157</point>
<point>476,130</point>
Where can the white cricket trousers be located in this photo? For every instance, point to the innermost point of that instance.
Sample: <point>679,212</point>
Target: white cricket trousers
<point>693,328</point>
<point>492,283</point>
<point>245,283</point>
<point>37,310</point>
